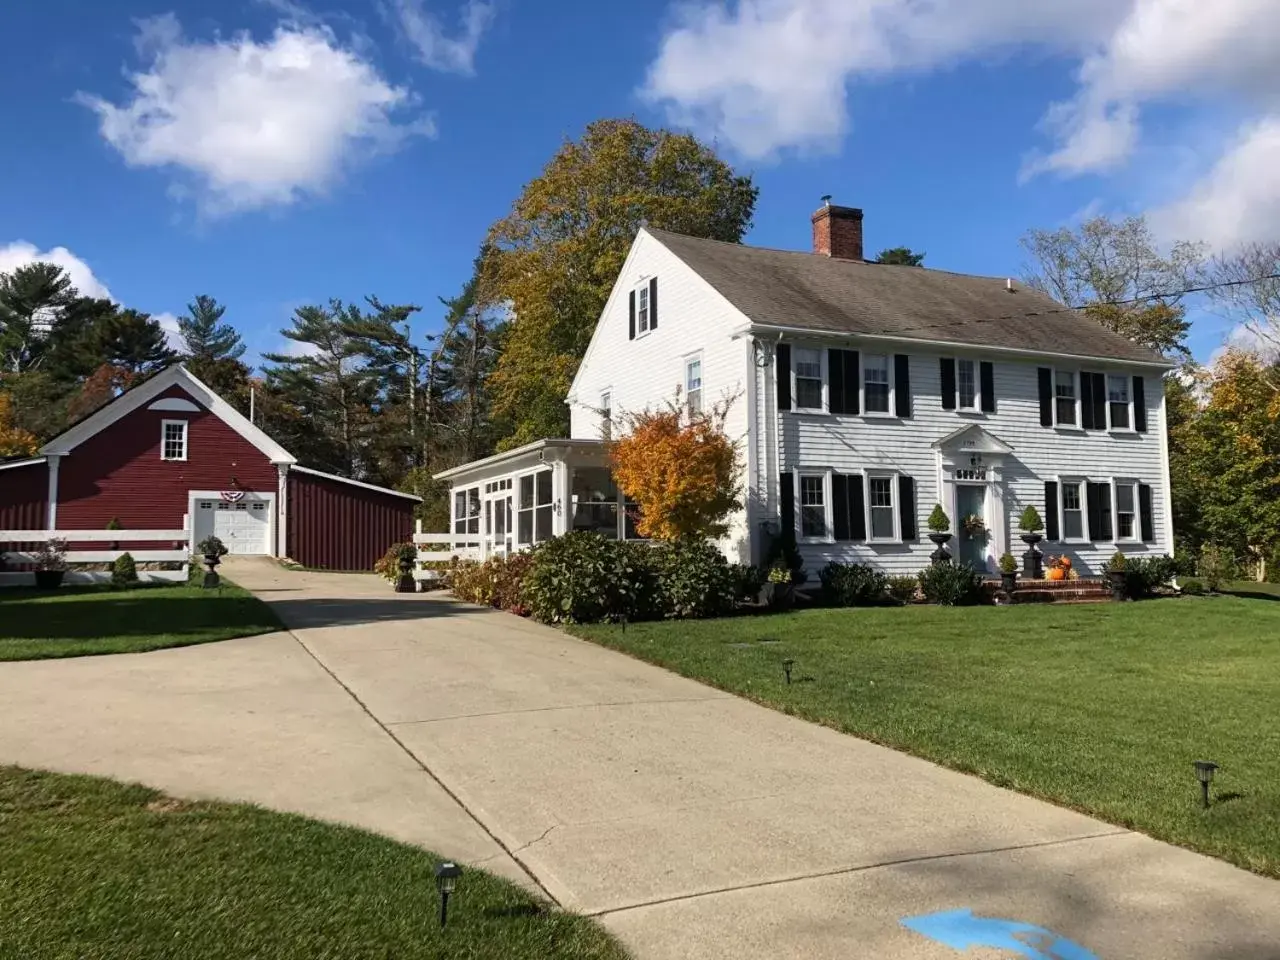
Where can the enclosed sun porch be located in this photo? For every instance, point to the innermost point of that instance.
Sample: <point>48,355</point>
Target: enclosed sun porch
<point>514,500</point>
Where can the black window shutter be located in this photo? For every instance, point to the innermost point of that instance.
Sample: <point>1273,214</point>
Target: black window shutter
<point>1100,400</point>
<point>851,382</point>
<point>787,484</point>
<point>988,387</point>
<point>1098,496</point>
<point>1050,510</point>
<point>840,506</point>
<point>857,509</point>
<point>632,334</point>
<point>1086,402</point>
<point>653,303</point>
<point>835,382</point>
<point>948,383</point>
<point>907,507</point>
<point>1145,514</point>
<point>782,361</point>
<point>1046,401</point>
<point>1140,404</point>
<point>902,385</point>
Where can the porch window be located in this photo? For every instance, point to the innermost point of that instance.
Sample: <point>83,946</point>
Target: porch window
<point>880,505</point>
<point>533,509</point>
<point>466,511</point>
<point>595,501</point>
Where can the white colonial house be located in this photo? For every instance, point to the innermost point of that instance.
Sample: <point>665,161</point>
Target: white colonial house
<point>862,395</point>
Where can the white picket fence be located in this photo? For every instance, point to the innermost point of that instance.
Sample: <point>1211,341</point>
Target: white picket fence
<point>17,550</point>
<point>447,546</point>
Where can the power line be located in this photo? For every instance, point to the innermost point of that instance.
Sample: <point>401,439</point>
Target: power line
<point>1147,298</point>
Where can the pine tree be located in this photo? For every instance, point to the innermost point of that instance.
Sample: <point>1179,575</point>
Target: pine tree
<point>204,337</point>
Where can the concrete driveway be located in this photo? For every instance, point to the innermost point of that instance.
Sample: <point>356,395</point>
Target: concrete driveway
<point>693,823</point>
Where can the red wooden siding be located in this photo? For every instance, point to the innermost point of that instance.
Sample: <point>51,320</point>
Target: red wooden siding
<point>24,497</point>
<point>119,473</point>
<point>336,526</point>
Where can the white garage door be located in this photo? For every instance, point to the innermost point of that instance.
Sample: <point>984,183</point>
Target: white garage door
<point>243,527</point>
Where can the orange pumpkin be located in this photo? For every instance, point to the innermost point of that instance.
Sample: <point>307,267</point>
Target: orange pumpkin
<point>1064,562</point>
<point>1055,573</point>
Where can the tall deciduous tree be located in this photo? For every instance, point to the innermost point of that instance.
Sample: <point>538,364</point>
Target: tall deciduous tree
<point>1247,290</point>
<point>1105,265</point>
<point>556,256</point>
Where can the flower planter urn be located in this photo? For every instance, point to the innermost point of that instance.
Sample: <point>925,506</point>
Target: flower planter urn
<point>1033,559</point>
<point>49,579</point>
<point>942,554</point>
<point>777,596</point>
<point>1118,581</point>
<point>1009,582</point>
<point>211,578</point>
<point>405,582</point>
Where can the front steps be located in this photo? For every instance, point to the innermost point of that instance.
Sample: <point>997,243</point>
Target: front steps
<point>1084,590</point>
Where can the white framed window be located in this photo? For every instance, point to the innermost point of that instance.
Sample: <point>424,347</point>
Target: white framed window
<point>606,415</point>
<point>533,508</point>
<point>1119,402</point>
<point>466,511</point>
<point>1066,399</point>
<point>877,387</point>
<point>1071,499</point>
<point>642,308</point>
<point>173,440</point>
<point>815,506</point>
<point>693,385</point>
<point>967,391</point>
<point>882,507</point>
<point>1124,497</point>
<point>809,368</point>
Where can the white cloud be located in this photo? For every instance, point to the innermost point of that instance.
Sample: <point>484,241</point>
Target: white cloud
<point>248,124</point>
<point>1238,200</point>
<point>434,46</point>
<point>169,324</point>
<point>20,253</point>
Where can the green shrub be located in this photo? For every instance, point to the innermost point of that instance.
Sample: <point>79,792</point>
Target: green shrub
<point>938,520</point>
<point>1216,566</point>
<point>1008,563</point>
<point>495,583</point>
<point>951,584</point>
<point>853,585</point>
<point>1144,575</point>
<point>1118,563</point>
<point>124,571</point>
<point>748,580</point>
<point>1192,587</point>
<point>694,579</point>
<point>903,590</point>
<point>583,578</point>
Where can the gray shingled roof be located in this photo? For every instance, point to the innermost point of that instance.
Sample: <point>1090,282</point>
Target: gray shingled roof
<point>803,290</point>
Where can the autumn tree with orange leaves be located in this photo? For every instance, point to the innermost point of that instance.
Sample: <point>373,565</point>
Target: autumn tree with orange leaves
<point>14,441</point>
<point>684,474</point>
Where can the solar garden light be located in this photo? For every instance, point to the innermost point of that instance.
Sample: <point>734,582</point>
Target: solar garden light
<point>447,875</point>
<point>1204,773</point>
<point>786,666</point>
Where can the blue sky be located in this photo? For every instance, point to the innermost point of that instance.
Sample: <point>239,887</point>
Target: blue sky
<point>274,153</point>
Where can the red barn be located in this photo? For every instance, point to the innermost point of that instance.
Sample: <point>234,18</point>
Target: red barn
<point>171,454</point>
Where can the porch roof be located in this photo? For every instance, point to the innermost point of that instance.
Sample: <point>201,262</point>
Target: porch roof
<point>549,450</point>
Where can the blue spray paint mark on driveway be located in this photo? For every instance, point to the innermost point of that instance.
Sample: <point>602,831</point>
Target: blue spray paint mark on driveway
<point>961,930</point>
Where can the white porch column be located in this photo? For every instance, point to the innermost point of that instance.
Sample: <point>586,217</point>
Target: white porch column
<point>282,511</point>
<point>561,498</point>
<point>51,515</point>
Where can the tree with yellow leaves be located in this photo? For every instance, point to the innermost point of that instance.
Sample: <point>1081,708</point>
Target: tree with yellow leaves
<point>14,441</point>
<point>684,474</point>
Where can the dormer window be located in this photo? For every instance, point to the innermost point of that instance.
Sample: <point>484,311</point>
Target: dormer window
<point>173,440</point>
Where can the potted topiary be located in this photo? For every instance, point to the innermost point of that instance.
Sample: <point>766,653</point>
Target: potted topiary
<point>940,533</point>
<point>406,559</point>
<point>51,564</point>
<point>1008,573</point>
<point>1030,524</point>
<point>213,550</point>
<point>1117,575</point>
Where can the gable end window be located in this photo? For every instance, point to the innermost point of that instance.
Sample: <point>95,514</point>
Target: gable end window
<point>642,310</point>
<point>693,386</point>
<point>606,415</point>
<point>173,440</point>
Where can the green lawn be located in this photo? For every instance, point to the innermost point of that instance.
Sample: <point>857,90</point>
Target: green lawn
<point>93,869</point>
<point>1098,707</point>
<point>81,621</point>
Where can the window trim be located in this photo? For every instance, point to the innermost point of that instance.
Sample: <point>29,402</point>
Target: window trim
<point>1128,391</point>
<point>534,507</point>
<point>605,412</point>
<point>826,378</point>
<point>828,512</point>
<point>1081,483</point>
<point>186,446</point>
<point>977,386</point>
<point>466,518</point>
<point>686,362</point>
<point>1116,483</point>
<point>642,292</point>
<point>893,477</point>
<point>891,370</point>
<point>1075,390</point>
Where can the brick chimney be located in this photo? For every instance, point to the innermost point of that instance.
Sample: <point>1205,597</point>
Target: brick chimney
<point>837,231</point>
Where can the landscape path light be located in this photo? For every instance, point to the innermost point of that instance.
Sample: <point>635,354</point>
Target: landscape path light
<point>1204,773</point>
<point>447,875</point>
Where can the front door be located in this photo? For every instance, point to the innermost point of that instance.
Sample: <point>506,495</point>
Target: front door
<point>971,501</point>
